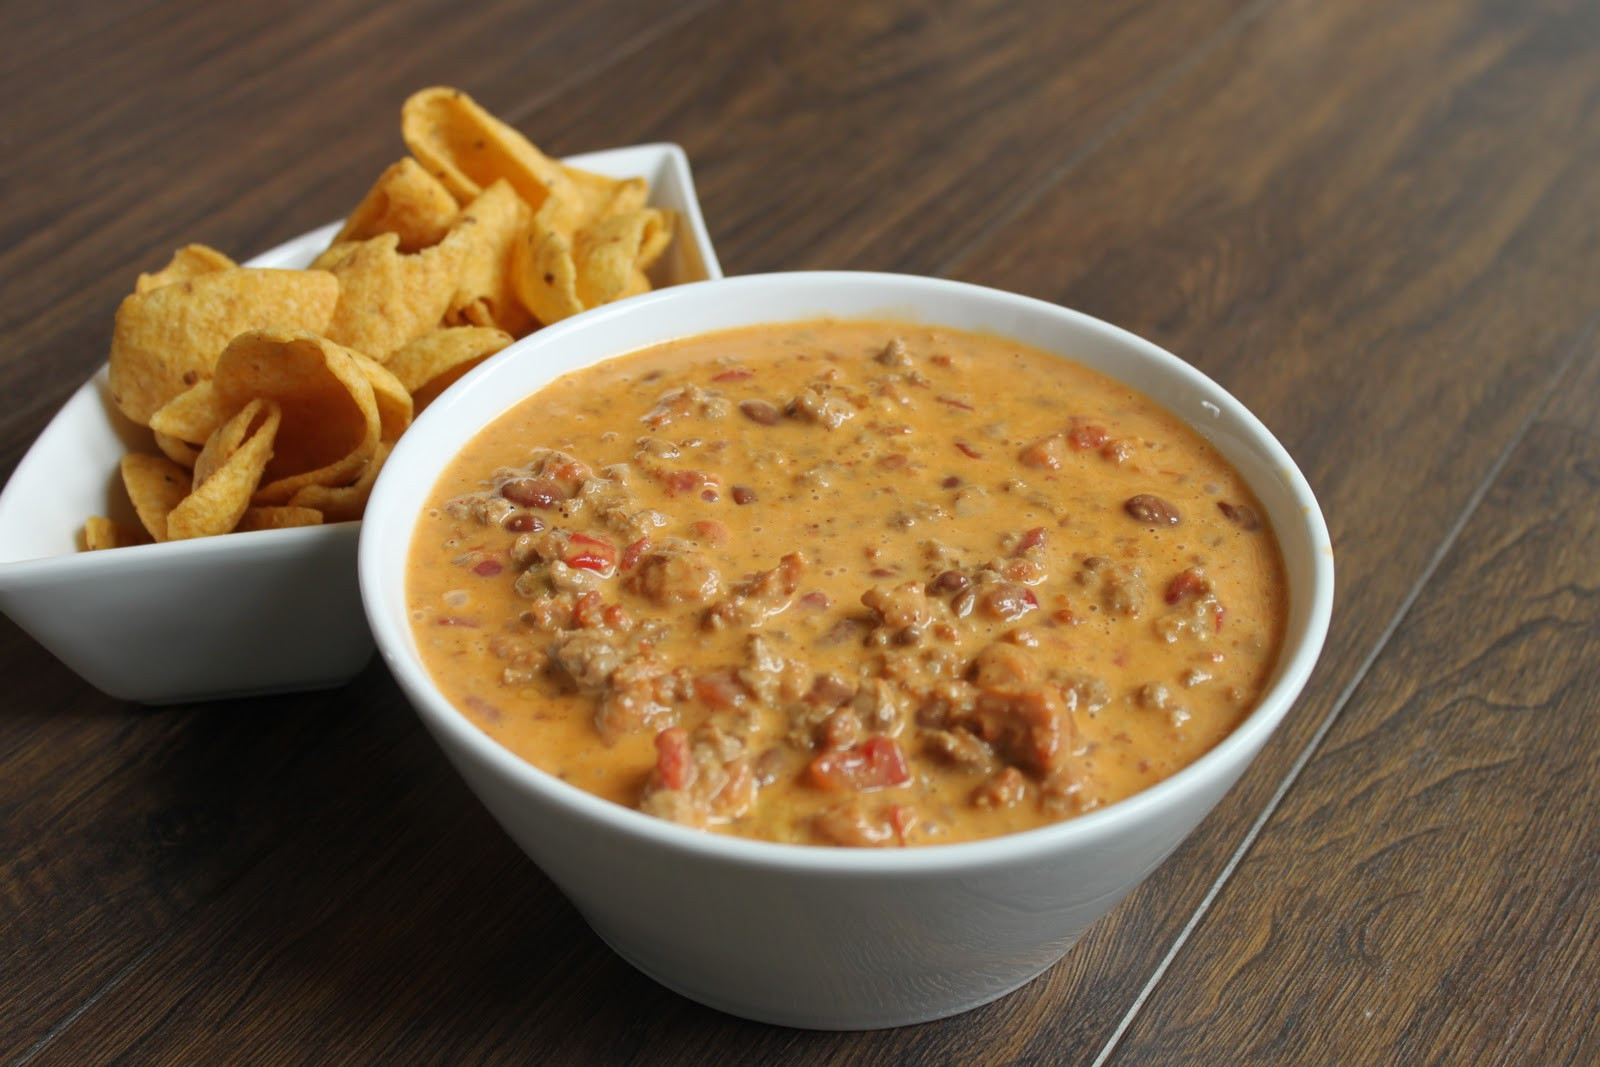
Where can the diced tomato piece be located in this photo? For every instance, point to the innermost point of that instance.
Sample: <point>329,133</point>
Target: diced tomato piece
<point>683,481</point>
<point>875,763</point>
<point>720,689</point>
<point>1083,438</point>
<point>968,450</point>
<point>734,374</point>
<point>1185,584</point>
<point>631,554</point>
<point>710,531</point>
<point>589,611</point>
<point>674,765</point>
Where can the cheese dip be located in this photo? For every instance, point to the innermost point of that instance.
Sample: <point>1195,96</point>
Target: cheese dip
<point>848,583</point>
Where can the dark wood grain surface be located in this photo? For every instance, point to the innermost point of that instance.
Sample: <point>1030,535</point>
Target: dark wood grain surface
<point>1377,223</point>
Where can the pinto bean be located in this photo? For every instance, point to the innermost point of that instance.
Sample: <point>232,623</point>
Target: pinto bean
<point>760,411</point>
<point>1007,600</point>
<point>1241,515</point>
<point>533,492</point>
<point>1151,510</point>
<point>523,522</point>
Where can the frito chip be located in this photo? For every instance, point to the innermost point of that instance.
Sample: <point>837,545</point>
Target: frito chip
<point>330,419</point>
<point>433,362</point>
<point>187,262</point>
<point>345,502</point>
<point>179,451</point>
<point>100,532</point>
<point>281,517</point>
<point>612,254</point>
<point>226,439</point>
<point>406,201</point>
<point>604,262</point>
<point>627,195</point>
<point>192,416</point>
<point>168,338</point>
<point>222,496</point>
<point>469,149</point>
<point>387,297</point>
<point>275,396</point>
<point>394,401</point>
<point>543,273</point>
<point>488,228</point>
<point>156,485</point>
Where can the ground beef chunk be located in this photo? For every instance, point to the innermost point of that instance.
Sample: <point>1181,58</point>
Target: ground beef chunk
<point>1024,719</point>
<point>826,409</point>
<point>699,780</point>
<point>675,571</point>
<point>1120,588</point>
<point>756,600</point>
<point>860,825</point>
<point>588,659</point>
<point>903,606</point>
<point>1005,789</point>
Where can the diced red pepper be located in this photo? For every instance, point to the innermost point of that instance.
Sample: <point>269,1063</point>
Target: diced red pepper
<point>875,763</point>
<point>590,553</point>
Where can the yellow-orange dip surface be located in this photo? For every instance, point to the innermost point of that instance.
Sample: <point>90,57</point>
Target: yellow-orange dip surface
<point>856,583</point>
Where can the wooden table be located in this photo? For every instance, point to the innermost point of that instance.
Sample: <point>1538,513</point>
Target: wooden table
<point>1377,223</point>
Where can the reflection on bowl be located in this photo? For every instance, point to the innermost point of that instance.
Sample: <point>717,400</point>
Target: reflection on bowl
<point>816,936</point>
<point>241,614</point>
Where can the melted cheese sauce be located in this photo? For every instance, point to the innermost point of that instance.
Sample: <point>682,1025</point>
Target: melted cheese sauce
<point>848,583</point>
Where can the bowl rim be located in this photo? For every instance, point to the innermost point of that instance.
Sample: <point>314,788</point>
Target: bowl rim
<point>379,590</point>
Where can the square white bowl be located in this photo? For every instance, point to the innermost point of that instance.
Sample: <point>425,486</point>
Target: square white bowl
<point>241,614</point>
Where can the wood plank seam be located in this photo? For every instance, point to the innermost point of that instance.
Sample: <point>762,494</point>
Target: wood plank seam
<point>106,988</point>
<point>1575,350</point>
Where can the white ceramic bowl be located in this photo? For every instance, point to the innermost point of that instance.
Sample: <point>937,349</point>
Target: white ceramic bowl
<point>824,937</point>
<point>242,614</point>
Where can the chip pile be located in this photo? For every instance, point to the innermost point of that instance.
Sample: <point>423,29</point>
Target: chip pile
<point>274,396</point>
